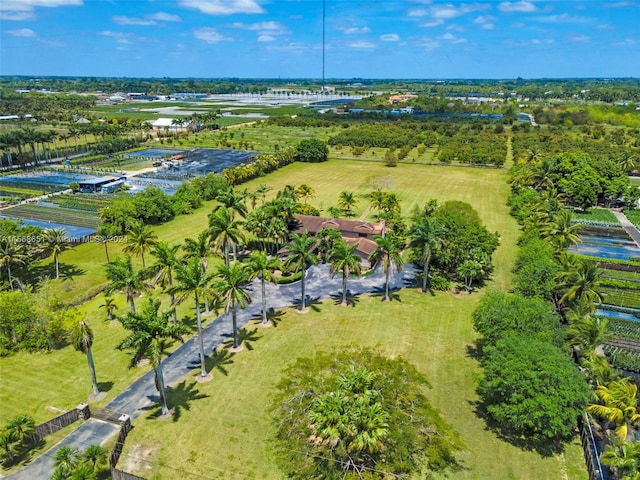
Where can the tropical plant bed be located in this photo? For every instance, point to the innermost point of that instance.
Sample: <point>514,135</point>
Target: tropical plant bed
<point>54,215</point>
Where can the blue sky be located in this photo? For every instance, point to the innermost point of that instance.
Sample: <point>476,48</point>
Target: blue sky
<point>283,38</point>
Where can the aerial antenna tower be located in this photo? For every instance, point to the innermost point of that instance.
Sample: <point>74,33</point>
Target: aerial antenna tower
<point>323,39</point>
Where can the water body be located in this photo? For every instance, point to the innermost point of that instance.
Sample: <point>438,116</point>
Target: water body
<point>617,248</point>
<point>618,315</point>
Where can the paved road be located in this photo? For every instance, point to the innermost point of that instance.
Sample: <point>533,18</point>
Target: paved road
<point>141,395</point>
<point>630,228</point>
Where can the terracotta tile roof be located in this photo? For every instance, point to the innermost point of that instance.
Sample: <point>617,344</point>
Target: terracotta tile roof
<point>313,225</point>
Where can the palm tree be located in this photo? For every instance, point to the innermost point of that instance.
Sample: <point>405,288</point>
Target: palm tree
<point>57,243</point>
<point>586,332</point>
<point>193,280</point>
<point>224,231</point>
<point>82,340</point>
<point>580,285</point>
<point>95,455</point>
<point>199,248</point>
<point>263,190</point>
<point>262,266</point>
<point>10,446</point>
<point>343,258</point>
<point>66,459</point>
<point>561,231</point>
<point>620,405</point>
<point>9,255</point>
<point>388,253</point>
<point>234,201</point>
<point>152,333</point>
<point>140,240</point>
<point>229,285</point>
<point>426,235</point>
<point>305,192</point>
<point>300,255</point>
<point>166,261</point>
<point>346,201</point>
<point>109,306</point>
<point>623,458</point>
<point>124,277</point>
<point>23,426</point>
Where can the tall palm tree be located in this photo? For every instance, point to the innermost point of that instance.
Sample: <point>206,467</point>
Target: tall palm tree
<point>193,281</point>
<point>140,240</point>
<point>580,285</point>
<point>82,340</point>
<point>586,332</point>
<point>57,242</point>
<point>387,253</point>
<point>124,277</point>
<point>300,255</point>
<point>262,266</point>
<point>234,201</point>
<point>561,231</point>
<point>344,259</point>
<point>200,247</point>
<point>347,200</point>
<point>224,231</point>
<point>10,254</point>
<point>152,333</point>
<point>619,405</point>
<point>230,280</point>
<point>166,261</point>
<point>426,235</point>
<point>305,192</point>
<point>262,190</point>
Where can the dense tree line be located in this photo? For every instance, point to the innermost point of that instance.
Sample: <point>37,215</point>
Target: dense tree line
<point>49,106</point>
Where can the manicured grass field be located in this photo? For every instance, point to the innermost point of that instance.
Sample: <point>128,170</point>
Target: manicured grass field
<point>222,430</point>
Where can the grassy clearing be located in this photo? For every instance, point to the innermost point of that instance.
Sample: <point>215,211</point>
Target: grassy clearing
<point>633,216</point>
<point>228,414</point>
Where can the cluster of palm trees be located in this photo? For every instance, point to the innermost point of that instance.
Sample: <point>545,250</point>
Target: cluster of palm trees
<point>71,463</point>
<point>20,251</point>
<point>15,437</point>
<point>182,272</point>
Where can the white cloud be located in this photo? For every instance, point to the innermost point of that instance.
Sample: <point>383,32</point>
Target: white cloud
<point>417,12</point>
<point>266,38</point>
<point>362,44</point>
<point>533,41</point>
<point>119,36</point>
<point>265,28</point>
<point>356,30</point>
<point>578,38</point>
<point>22,32</point>
<point>427,43</point>
<point>433,23</point>
<point>164,17</point>
<point>452,38</point>
<point>625,42</point>
<point>389,37</point>
<point>122,20</point>
<point>487,22</point>
<point>447,10</point>
<point>522,6</point>
<point>222,7</point>
<point>563,18</point>
<point>25,9</point>
<point>209,35</point>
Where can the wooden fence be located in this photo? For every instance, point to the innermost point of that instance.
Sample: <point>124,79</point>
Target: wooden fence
<point>58,423</point>
<point>125,428</point>
<point>590,447</point>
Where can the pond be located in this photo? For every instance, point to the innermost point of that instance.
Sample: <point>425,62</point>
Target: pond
<point>73,231</point>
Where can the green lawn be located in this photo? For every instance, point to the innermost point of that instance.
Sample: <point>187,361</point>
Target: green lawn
<point>229,432</point>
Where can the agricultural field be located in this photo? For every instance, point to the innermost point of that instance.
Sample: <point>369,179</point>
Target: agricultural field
<point>596,215</point>
<point>44,213</point>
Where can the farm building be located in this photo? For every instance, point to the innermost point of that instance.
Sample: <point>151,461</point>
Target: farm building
<point>94,185</point>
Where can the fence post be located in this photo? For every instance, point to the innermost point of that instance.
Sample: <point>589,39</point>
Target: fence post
<point>125,422</point>
<point>83,411</point>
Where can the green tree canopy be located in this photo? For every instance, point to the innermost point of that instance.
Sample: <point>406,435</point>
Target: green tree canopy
<point>354,414</point>
<point>312,150</point>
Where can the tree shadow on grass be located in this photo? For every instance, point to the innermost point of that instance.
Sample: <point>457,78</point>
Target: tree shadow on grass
<point>352,299</point>
<point>476,350</point>
<point>310,303</point>
<point>245,337</point>
<point>545,447</point>
<point>105,386</point>
<point>219,360</point>
<point>394,295</point>
<point>179,398</point>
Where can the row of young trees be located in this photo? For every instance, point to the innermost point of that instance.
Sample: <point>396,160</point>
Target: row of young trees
<point>553,307</point>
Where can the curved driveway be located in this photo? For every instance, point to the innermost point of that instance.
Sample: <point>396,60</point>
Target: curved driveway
<point>141,395</point>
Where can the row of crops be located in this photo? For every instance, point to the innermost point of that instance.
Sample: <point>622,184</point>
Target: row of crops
<point>54,214</point>
<point>86,202</point>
